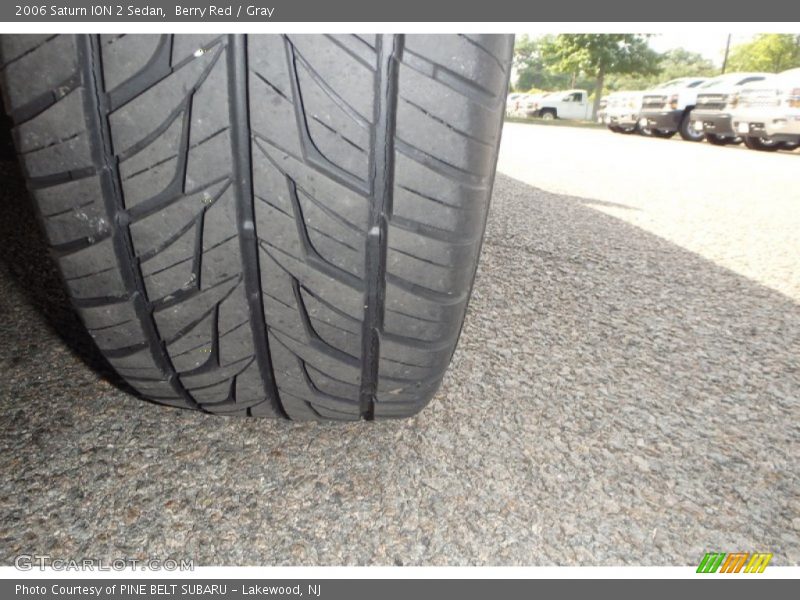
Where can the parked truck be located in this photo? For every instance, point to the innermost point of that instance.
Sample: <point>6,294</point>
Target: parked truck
<point>622,112</point>
<point>715,99</point>
<point>767,113</point>
<point>566,104</point>
<point>666,109</point>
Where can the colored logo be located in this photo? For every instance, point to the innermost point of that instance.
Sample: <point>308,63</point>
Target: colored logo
<point>734,562</point>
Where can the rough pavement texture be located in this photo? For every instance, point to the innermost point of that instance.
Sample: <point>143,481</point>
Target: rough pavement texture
<point>622,394</point>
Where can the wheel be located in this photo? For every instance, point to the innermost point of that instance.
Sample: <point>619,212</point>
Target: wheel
<point>615,128</point>
<point>719,140</point>
<point>265,225</point>
<point>645,131</point>
<point>548,115</point>
<point>661,133</point>
<point>762,144</point>
<point>687,132</point>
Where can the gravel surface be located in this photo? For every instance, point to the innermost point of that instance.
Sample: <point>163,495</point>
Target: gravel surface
<point>625,392</point>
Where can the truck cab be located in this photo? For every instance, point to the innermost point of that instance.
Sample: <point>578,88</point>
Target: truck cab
<point>666,109</point>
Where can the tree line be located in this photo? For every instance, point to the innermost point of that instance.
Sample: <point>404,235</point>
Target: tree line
<point>604,63</point>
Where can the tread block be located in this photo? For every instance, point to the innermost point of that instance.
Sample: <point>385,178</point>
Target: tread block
<point>175,319</point>
<point>12,47</point>
<point>456,56</point>
<point>445,104</point>
<point>190,45</point>
<point>337,70</point>
<point>91,269</point>
<point>212,376</point>
<point>155,104</point>
<point>434,137</point>
<point>82,222</point>
<point>125,56</point>
<point>53,126</point>
<point>154,150</point>
<point>38,71</point>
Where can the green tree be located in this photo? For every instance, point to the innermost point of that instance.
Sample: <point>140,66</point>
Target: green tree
<point>674,63</point>
<point>771,52</point>
<point>531,68</point>
<point>679,62</point>
<point>599,55</point>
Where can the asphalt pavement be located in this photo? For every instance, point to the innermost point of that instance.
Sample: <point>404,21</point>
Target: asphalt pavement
<point>626,391</point>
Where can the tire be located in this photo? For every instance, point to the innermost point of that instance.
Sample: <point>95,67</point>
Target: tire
<point>719,140</point>
<point>277,226</point>
<point>548,115</point>
<point>687,132</point>
<point>761,144</point>
<point>614,128</point>
<point>662,133</point>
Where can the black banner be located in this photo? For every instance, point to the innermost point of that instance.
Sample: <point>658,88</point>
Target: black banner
<point>397,589</point>
<point>496,11</point>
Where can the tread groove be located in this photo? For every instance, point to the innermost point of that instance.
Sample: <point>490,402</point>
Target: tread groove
<point>390,50</point>
<point>245,211</point>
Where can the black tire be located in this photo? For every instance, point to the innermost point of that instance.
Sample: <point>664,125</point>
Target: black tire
<point>661,133</point>
<point>265,225</point>
<point>548,114</point>
<point>719,140</point>
<point>761,144</point>
<point>687,132</point>
<point>614,128</point>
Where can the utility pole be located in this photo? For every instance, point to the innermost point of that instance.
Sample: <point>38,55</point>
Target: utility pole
<point>727,51</point>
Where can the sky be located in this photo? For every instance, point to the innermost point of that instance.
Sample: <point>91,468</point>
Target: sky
<point>710,45</point>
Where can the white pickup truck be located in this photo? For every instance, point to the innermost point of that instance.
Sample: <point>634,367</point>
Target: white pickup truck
<point>766,114</point>
<point>566,104</point>
<point>715,100</point>
<point>667,108</point>
<point>525,105</point>
<point>622,112</point>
